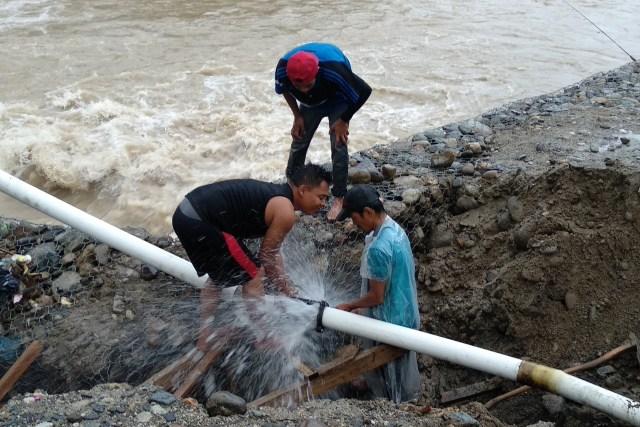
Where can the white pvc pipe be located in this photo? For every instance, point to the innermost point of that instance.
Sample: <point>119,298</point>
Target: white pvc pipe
<point>100,230</point>
<point>441,348</point>
<point>421,342</point>
<point>480,359</point>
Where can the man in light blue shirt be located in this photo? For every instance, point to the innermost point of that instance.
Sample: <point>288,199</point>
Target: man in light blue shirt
<point>388,286</point>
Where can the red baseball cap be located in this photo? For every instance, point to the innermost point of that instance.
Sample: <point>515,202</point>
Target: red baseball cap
<point>302,67</point>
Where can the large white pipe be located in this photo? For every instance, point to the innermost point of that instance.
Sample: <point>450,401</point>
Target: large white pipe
<point>540,376</point>
<point>498,364</point>
<point>100,230</point>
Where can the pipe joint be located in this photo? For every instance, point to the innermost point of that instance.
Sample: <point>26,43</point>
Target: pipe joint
<point>319,326</point>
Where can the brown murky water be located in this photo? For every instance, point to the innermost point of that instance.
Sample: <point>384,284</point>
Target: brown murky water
<point>120,108</point>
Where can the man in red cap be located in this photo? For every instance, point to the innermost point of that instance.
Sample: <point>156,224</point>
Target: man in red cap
<point>316,81</point>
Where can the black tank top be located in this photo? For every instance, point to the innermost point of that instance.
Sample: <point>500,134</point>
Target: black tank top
<point>237,206</point>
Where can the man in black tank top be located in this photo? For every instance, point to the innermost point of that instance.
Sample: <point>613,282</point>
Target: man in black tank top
<point>211,219</point>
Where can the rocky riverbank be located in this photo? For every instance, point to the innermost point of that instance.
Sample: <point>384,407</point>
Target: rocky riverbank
<point>525,225</point>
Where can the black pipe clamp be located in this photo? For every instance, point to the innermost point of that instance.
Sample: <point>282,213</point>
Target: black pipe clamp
<point>323,305</point>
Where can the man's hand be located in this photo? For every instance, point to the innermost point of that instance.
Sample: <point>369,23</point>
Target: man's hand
<point>341,129</point>
<point>346,307</point>
<point>289,291</point>
<point>297,130</point>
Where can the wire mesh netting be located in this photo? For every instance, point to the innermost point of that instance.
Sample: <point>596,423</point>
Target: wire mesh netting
<point>107,317</point>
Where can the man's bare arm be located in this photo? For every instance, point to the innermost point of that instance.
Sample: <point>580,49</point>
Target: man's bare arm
<point>280,218</point>
<point>374,297</point>
<point>293,104</point>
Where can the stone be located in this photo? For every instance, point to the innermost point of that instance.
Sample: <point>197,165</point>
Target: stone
<point>542,424</point>
<point>466,203</point>
<point>462,419</point>
<point>442,160</point>
<point>521,238</point>
<point>553,404</point>
<point>625,140</point>
<point>163,242</point>
<point>474,127</point>
<point>90,415</point>
<point>376,176</point>
<point>139,232</point>
<point>359,176</point>
<point>516,210</point>
<point>68,259</point>
<point>605,370</point>
<point>411,196</point>
<point>118,306</point>
<point>601,100</point>
<point>474,147</point>
<point>490,175</point>
<point>434,134</point>
<point>162,397</point>
<point>570,300</point>
<point>169,417</point>
<point>394,208</point>
<point>69,281</point>
<point>312,422</point>
<point>324,237</point>
<point>468,169</point>
<point>144,417</point>
<point>148,272</point>
<point>614,381</point>
<point>533,275</point>
<point>102,252</point>
<point>157,409</point>
<point>389,172</point>
<point>408,181</point>
<point>440,238</point>
<point>97,408</point>
<point>73,416</point>
<point>503,219</point>
<point>226,404</point>
<point>44,257</point>
<point>71,240</point>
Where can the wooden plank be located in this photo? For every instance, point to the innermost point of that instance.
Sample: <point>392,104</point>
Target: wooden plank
<point>337,375</point>
<point>18,369</point>
<point>302,368</point>
<point>193,377</point>
<point>470,390</point>
<point>365,361</point>
<point>344,354</point>
<point>165,377</point>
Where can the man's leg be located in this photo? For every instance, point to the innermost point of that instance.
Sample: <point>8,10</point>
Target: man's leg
<point>340,162</point>
<point>299,147</point>
<point>209,298</point>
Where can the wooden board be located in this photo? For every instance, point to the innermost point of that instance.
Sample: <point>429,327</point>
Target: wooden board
<point>332,375</point>
<point>15,372</point>
<point>470,390</point>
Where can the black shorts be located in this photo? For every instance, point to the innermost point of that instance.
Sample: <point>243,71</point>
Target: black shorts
<point>225,259</point>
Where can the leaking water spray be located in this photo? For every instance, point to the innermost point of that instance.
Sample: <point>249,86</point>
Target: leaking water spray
<point>508,367</point>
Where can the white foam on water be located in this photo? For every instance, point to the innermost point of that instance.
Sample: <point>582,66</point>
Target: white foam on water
<point>27,13</point>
